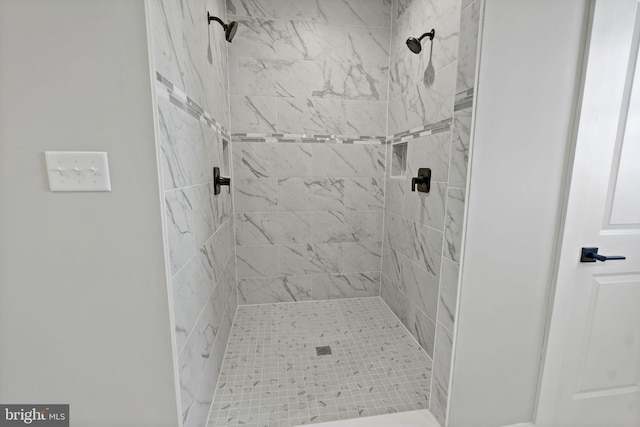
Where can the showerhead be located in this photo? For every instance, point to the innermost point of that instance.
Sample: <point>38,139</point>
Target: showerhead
<point>415,44</point>
<point>229,29</point>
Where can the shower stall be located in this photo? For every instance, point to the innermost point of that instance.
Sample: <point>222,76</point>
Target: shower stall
<point>329,269</point>
<point>320,211</point>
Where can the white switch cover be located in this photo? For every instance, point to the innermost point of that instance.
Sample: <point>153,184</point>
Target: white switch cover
<point>78,171</point>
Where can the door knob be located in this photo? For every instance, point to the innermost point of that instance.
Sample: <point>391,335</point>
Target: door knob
<point>591,255</point>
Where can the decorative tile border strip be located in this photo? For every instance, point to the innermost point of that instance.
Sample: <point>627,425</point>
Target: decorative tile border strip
<point>408,135</point>
<point>305,138</point>
<point>180,99</point>
<point>463,100</point>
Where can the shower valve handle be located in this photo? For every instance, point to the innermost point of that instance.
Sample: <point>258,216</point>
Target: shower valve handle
<point>422,182</point>
<point>219,181</point>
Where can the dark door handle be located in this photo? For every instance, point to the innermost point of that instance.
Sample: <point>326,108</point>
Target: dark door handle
<point>591,255</point>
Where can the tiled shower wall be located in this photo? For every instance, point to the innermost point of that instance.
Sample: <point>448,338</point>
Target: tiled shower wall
<point>308,83</point>
<point>190,60</point>
<point>429,110</point>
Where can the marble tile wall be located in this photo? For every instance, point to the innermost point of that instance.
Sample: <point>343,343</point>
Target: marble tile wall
<point>309,215</point>
<point>430,100</point>
<point>192,114</point>
<point>308,220</point>
<point>310,67</point>
<point>422,87</point>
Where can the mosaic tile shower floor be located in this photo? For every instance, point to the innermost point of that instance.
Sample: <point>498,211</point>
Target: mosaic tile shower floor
<point>272,376</point>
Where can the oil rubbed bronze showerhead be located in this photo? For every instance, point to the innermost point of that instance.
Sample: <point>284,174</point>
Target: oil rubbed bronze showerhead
<point>415,45</point>
<point>229,29</point>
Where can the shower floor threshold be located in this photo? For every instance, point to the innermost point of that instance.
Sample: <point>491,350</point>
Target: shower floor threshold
<point>273,375</point>
<point>420,418</point>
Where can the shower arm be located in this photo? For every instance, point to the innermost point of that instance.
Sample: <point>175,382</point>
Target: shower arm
<point>431,34</point>
<point>218,20</point>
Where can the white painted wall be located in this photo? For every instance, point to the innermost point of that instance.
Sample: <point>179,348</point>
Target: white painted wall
<point>84,316</point>
<point>528,81</point>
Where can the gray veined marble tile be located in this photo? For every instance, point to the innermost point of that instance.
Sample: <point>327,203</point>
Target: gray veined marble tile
<point>404,71</point>
<point>368,45</point>
<point>234,83</point>
<point>349,81</point>
<point>218,250</point>
<point>317,258</point>
<point>346,285</point>
<point>256,195</point>
<point>198,412</point>
<point>465,3</point>
<point>236,161</point>
<point>348,160</point>
<point>257,261</point>
<point>306,79</point>
<point>419,324</point>
<point>375,13</point>
<point>430,151</point>
<point>220,298</point>
<point>391,296</point>
<point>391,264</point>
<point>167,35</point>
<point>276,160</point>
<point>362,256</point>
<point>394,195</point>
<point>366,117</point>
<point>448,293</point>
<point>271,228</point>
<point>204,223</point>
<point>194,359</point>
<point>396,234</point>
<point>306,194</point>
<point>228,293</point>
<point>222,206</point>
<point>191,288</point>
<point>191,368</point>
<point>421,286</point>
<point>469,28</point>
<point>400,8</point>
<point>311,116</point>
<point>278,77</point>
<point>351,226</point>
<point>384,84</point>
<point>188,148</point>
<point>426,208</point>
<point>179,212</point>
<point>267,290</point>
<point>253,114</point>
<point>279,39</point>
<point>363,193</point>
<point>421,105</point>
<point>441,372</point>
<point>453,224</point>
<point>360,12</point>
<point>424,247</point>
<point>460,148</point>
<point>444,49</point>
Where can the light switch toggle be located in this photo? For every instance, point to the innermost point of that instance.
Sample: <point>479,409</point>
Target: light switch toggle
<point>78,171</point>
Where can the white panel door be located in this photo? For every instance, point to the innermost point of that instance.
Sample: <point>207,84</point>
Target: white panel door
<point>594,335</point>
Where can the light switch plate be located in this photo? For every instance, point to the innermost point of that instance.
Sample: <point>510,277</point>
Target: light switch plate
<point>78,171</point>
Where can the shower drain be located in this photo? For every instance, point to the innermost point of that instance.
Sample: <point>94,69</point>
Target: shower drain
<point>323,351</point>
